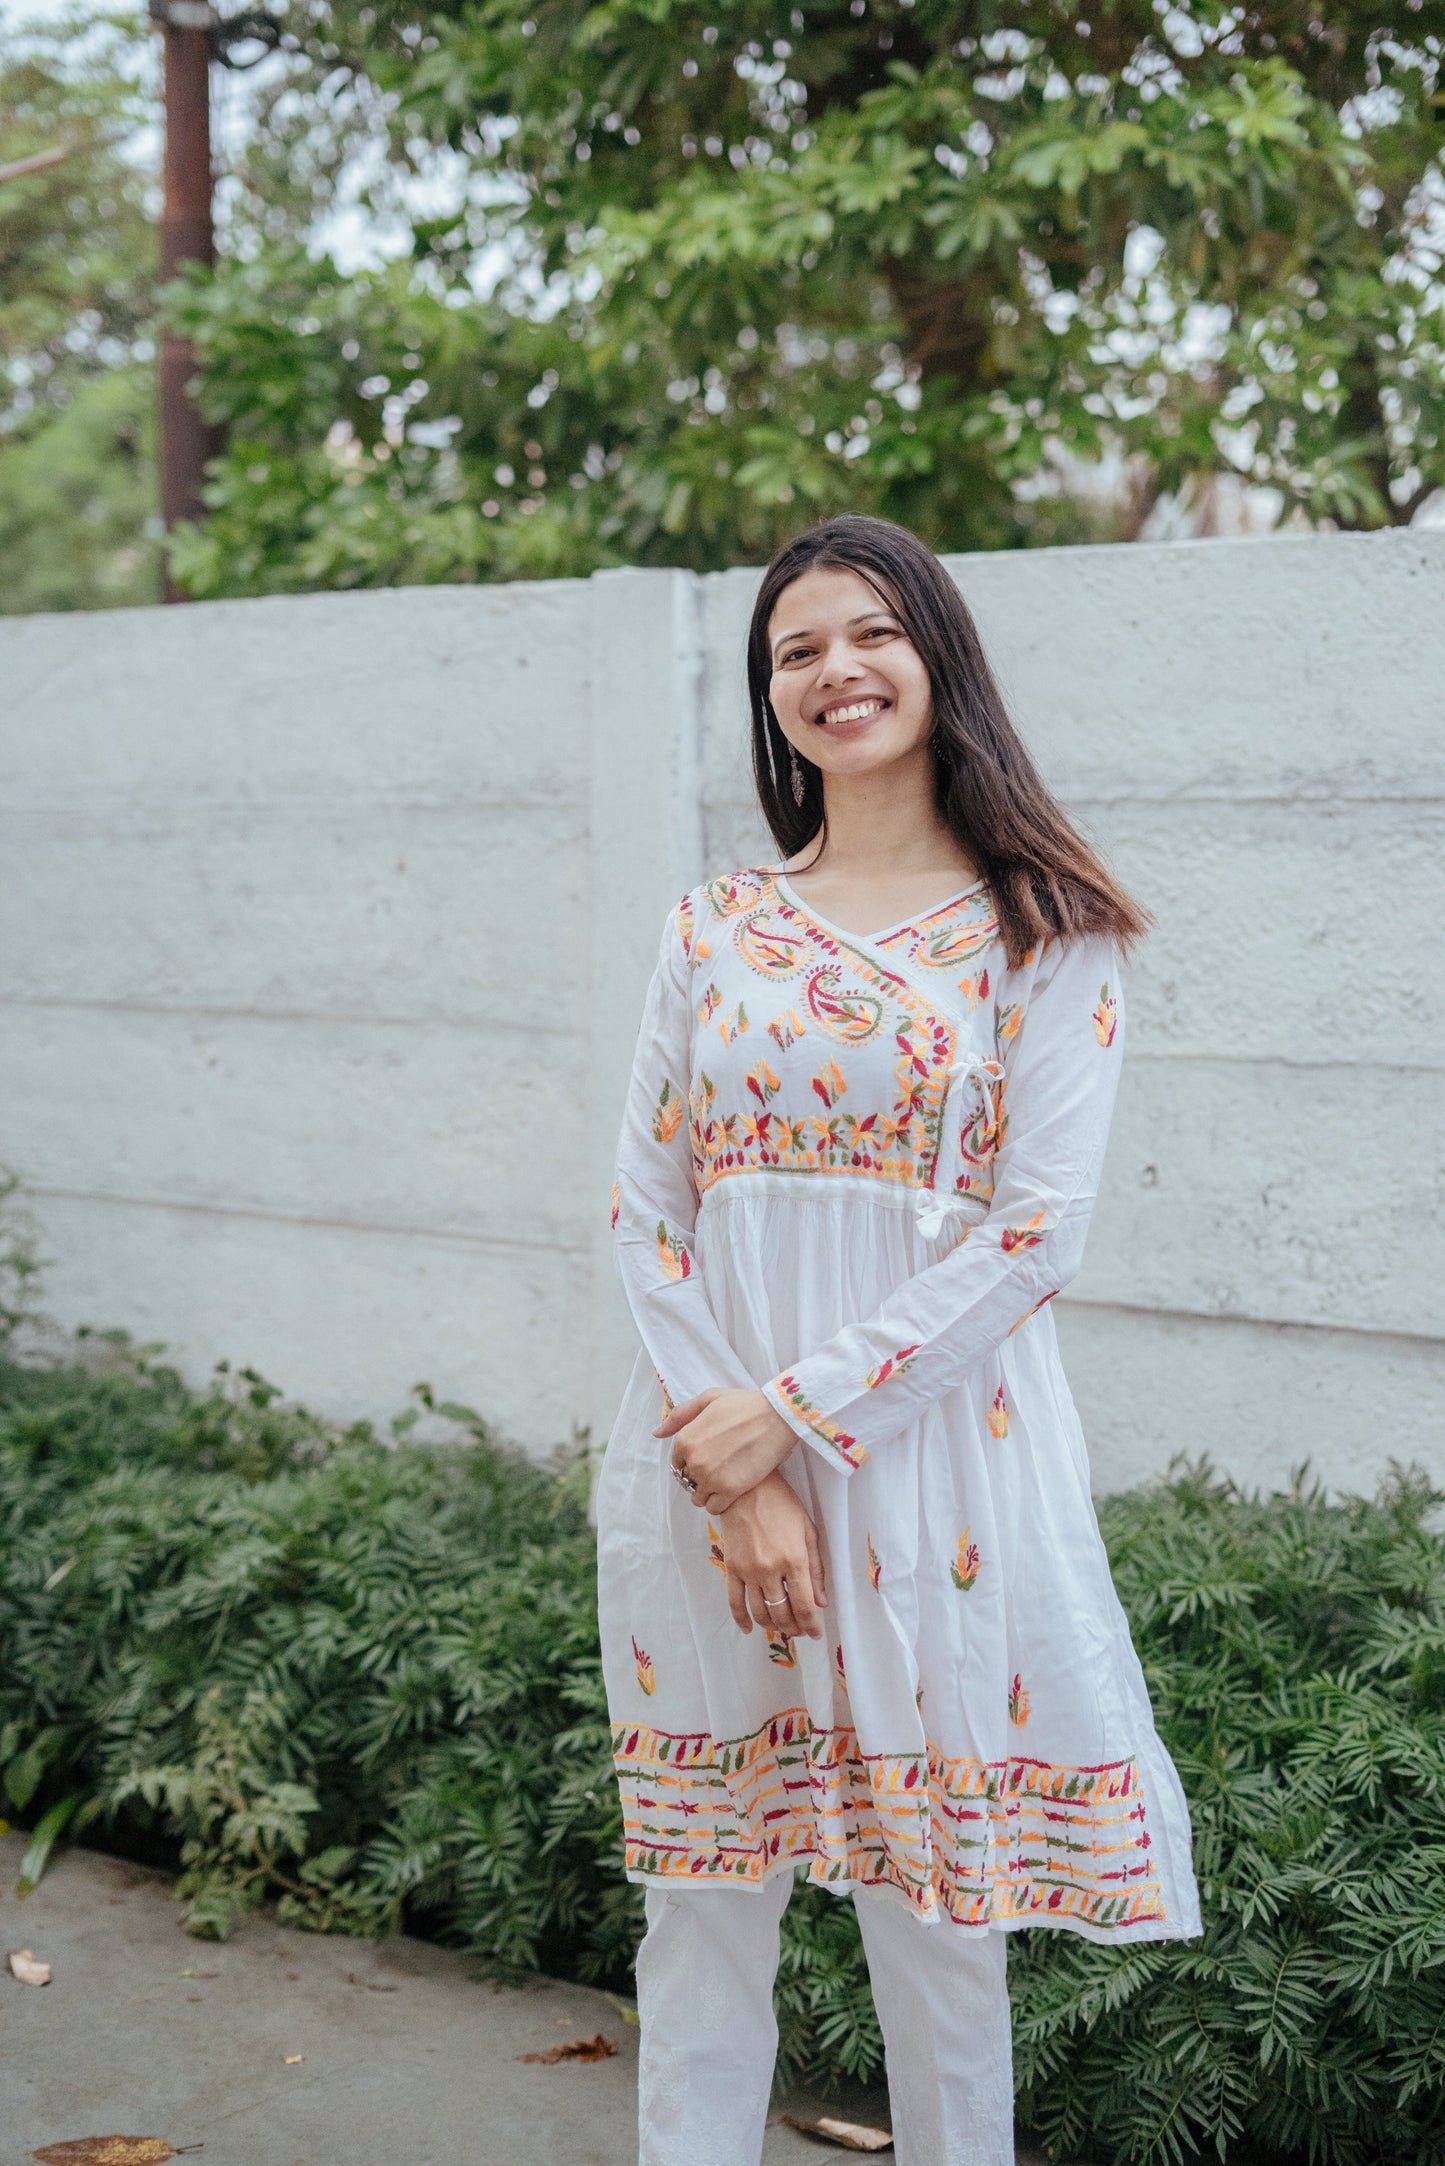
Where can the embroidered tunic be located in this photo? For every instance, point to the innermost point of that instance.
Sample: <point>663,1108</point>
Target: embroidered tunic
<point>852,1173</point>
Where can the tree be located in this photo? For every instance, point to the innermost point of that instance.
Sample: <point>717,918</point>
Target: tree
<point>750,263</point>
<point>77,254</point>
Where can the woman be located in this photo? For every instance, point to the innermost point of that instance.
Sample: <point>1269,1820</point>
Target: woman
<point>856,1613</point>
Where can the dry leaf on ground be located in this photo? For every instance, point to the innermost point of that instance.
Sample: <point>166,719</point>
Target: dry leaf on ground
<point>111,2151</point>
<point>24,1967</point>
<point>849,2135</point>
<point>576,2049</point>
<point>293,2058</point>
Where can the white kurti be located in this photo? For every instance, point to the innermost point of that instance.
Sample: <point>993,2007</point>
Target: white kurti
<point>852,1172</point>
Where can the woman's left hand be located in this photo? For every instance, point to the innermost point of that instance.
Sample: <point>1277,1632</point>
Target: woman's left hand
<point>727,1442</point>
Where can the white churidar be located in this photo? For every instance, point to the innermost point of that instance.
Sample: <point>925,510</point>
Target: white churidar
<point>851,1173</point>
<point>705,1974</point>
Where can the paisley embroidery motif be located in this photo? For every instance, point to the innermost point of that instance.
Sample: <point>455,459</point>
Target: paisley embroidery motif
<point>848,1017</point>
<point>769,948</point>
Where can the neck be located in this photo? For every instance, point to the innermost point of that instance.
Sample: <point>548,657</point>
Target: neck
<point>886,821</point>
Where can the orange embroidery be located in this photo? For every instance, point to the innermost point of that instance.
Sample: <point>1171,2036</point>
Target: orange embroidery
<point>845,993</point>
<point>715,1549</point>
<point>1018,1702</point>
<point>667,1118</point>
<point>1006,1021</point>
<point>847,1447</point>
<point>893,1366</point>
<point>875,1569</point>
<point>978,1841</point>
<point>965,1567</point>
<point>781,1651</point>
<point>830,1083</point>
<point>762,1082</point>
<point>1028,1236</point>
<point>646,1675</point>
<point>998,1412</point>
<point>1106,1016</point>
<point>672,1254</point>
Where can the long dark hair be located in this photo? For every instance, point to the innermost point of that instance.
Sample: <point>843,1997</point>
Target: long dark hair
<point>1043,877</point>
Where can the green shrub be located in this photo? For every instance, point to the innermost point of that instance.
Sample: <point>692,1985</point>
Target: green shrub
<point>363,1679</point>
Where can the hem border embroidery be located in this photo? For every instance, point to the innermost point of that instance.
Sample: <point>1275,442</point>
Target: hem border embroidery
<point>981,1841</point>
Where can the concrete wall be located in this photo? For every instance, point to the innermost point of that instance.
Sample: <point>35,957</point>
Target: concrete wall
<point>326,924</point>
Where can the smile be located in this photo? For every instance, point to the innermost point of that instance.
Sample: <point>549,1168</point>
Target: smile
<point>860,710</point>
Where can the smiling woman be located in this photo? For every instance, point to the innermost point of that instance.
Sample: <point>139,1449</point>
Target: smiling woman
<point>898,1061</point>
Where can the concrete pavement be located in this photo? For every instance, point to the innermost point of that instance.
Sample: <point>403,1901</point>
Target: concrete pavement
<point>404,2055</point>
<point>280,2048</point>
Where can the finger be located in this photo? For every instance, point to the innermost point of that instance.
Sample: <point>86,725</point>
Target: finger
<point>687,1410</point>
<point>815,1565</point>
<point>800,1595</point>
<point>759,1597</point>
<point>738,1603</point>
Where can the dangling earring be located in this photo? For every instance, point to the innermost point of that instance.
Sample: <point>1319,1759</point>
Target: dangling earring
<point>797,777</point>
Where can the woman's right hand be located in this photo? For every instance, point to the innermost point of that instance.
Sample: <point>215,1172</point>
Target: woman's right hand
<point>772,1556</point>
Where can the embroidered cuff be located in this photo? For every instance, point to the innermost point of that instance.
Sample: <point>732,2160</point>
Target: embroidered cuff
<point>836,1446</point>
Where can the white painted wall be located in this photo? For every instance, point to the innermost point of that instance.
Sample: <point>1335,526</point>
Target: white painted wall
<point>326,922</point>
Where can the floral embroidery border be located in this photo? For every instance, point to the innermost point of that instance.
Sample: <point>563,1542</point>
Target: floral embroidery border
<point>791,1392</point>
<point>982,1841</point>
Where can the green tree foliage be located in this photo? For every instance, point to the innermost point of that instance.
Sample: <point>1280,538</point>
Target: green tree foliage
<point>364,1681</point>
<point>77,280</point>
<point>716,270</point>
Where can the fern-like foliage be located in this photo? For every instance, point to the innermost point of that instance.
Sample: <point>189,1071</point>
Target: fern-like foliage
<point>361,1679</point>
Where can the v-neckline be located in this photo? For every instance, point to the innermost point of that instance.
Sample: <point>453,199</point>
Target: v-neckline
<point>790,895</point>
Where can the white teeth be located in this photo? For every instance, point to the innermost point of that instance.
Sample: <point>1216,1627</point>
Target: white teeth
<point>856,712</point>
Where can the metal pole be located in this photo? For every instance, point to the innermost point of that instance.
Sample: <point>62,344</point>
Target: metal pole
<point>186,237</point>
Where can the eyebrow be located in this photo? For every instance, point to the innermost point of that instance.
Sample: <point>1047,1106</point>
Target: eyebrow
<point>862,618</point>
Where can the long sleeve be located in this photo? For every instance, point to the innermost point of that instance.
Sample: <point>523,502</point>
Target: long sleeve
<point>1059,1029</point>
<point>654,1196</point>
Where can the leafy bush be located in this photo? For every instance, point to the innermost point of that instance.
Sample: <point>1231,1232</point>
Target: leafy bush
<point>364,1679</point>
<point>360,1679</point>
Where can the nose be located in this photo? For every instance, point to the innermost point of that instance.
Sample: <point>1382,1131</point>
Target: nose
<point>840,664</point>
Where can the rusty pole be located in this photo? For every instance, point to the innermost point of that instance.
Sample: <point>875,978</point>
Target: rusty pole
<point>186,237</point>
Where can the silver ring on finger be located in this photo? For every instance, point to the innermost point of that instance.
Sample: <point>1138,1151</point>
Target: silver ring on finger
<point>781,1603</point>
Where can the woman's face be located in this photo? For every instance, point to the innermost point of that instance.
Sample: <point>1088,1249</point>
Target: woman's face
<point>849,687</point>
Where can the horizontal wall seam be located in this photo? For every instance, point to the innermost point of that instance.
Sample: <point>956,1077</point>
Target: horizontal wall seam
<point>1253,1323</point>
<point>223,1013</point>
<point>1304,799</point>
<point>577,1252</point>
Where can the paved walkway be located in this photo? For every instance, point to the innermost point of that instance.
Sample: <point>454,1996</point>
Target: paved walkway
<point>405,2056</point>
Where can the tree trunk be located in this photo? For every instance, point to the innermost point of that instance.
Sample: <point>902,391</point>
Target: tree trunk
<point>947,320</point>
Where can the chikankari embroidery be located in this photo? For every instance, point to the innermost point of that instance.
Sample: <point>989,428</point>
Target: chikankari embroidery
<point>979,1840</point>
<point>847,1447</point>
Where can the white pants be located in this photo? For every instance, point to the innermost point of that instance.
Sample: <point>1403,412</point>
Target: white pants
<point>705,1974</point>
